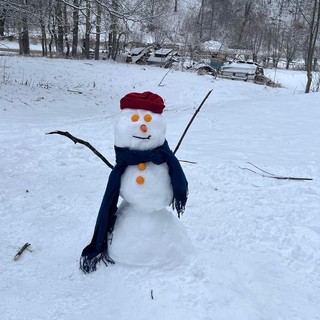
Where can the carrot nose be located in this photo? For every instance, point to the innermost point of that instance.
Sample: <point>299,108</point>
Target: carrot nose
<point>143,128</point>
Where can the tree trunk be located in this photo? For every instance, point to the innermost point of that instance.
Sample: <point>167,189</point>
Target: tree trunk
<point>175,6</point>
<point>201,18</point>
<point>59,20</point>
<point>43,39</point>
<point>2,21</point>
<point>51,34</point>
<point>288,64</point>
<point>66,29</point>
<point>75,29</point>
<point>245,22</point>
<point>43,30</point>
<point>312,38</point>
<point>113,33</point>
<point>98,31</point>
<point>88,28</point>
<point>24,45</point>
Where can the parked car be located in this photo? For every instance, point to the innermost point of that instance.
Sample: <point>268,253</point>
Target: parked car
<point>241,70</point>
<point>163,57</point>
<point>139,55</point>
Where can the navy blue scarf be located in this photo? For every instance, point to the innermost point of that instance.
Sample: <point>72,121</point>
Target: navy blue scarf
<point>97,250</point>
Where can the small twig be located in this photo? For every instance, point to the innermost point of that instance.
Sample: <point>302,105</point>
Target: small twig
<point>75,91</point>
<point>85,143</point>
<point>19,253</point>
<point>159,85</point>
<point>151,293</point>
<point>267,174</point>
<point>271,174</point>
<point>187,161</point>
<point>190,122</point>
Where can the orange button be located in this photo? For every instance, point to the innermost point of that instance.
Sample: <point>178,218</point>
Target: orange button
<point>140,180</point>
<point>142,166</point>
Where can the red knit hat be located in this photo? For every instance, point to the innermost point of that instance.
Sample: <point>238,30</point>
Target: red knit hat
<point>145,100</point>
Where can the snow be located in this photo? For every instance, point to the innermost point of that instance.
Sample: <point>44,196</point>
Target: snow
<point>212,45</point>
<point>145,232</point>
<point>256,240</point>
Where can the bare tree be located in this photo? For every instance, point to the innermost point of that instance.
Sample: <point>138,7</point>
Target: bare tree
<point>313,21</point>
<point>59,19</point>
<point>2,20</point>
<point>75,27</point>
<point>98,31</point>
<point>86,43</point>
<point>42,18</point>
<point>245,21</point>
<point>292,41</point>
<point>24,44</point>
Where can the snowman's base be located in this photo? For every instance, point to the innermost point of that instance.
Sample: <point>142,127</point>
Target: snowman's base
<point>148,238</point>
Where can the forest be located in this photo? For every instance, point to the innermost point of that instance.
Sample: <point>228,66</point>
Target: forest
<point>264,31</point>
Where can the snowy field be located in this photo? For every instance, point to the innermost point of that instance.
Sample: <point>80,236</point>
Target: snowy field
<point>256,239</point>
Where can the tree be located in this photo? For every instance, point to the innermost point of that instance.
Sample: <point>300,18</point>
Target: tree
<point>245,21</point>
<point>313,21</point>
<point>292,41</point>
<point>75,28</point>
<point>42,20</point>
<point>59,19</point>
<point>98,31</point>
<point>24,44</point>
<point>2,20</point>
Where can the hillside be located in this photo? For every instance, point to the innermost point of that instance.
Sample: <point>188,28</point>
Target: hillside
<point>255,239</point>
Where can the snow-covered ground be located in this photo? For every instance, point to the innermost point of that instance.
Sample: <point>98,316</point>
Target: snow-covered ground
<point>256,239</point>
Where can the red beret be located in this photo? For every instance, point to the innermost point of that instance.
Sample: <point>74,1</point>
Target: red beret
<point>145,100</point>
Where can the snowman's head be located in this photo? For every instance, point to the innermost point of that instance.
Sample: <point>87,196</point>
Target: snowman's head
<point>140,125</point>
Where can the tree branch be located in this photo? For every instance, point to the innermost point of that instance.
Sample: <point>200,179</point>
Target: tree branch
<point>85,143</point>
<point>19,253</point>
<point>159,85</point>
<point>190,122</point>
<point>267,174</point>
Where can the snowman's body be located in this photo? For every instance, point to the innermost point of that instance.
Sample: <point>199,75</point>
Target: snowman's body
<point>146,232</point>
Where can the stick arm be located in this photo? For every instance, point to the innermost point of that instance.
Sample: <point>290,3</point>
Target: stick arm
<point>83,142</point>
<point>190,122</point>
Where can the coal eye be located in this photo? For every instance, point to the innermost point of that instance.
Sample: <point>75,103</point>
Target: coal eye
<point>147,117</point>
<point>135,118</point>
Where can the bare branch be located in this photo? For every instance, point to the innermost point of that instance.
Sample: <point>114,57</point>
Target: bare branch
<point>159,85</point>
<point>85,143</point>
<point>267,174</point>
<point>190,122</point>
<point>19,253</point>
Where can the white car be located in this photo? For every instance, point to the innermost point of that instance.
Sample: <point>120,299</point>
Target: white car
<point>241,71</point>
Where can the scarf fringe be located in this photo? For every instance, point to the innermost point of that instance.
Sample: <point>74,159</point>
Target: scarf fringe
<point>180,204</point>
<point>88,265</point>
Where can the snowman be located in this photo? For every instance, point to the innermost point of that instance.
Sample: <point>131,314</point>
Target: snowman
<point>148,178</point>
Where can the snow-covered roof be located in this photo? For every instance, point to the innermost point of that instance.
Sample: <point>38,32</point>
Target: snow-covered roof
<point>163,52</point>
<point>240,67</point>
<point>211,45</point>
<point>136,51</point>
<point>158,59</point>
